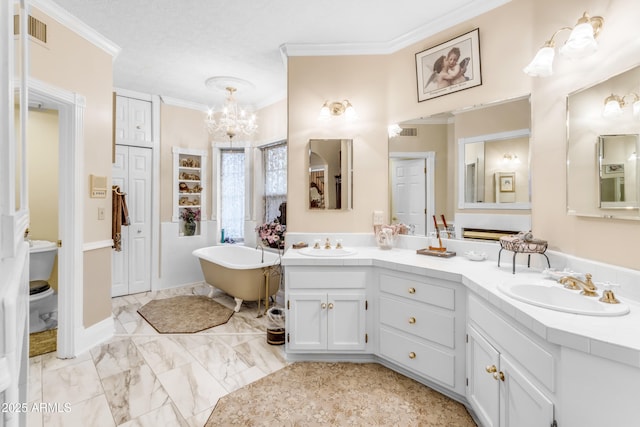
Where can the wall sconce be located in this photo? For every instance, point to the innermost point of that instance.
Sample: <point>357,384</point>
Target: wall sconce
<point>394,130</point>
<point>337,109</point>
<point>613,105</point>
<point>510,158</point>
<point>581,43</point>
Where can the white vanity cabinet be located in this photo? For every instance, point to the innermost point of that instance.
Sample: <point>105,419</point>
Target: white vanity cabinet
<point>510,375</point>
<point>326,309</point>
<point>421,326</point>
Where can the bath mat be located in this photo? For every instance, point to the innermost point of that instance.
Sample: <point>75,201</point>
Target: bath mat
<point>317,393</point>
<point>184,314</point>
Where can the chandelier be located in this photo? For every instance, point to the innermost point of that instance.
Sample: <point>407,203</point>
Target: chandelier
<point>232,119</point>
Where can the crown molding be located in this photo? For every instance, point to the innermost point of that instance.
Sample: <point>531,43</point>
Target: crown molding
<point>56,12</point>
<point>176,102</point>
<point>462,14</point>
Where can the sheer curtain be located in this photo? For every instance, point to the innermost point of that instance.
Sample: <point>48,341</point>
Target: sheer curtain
<point>275,179</point>
<point>232,194</point>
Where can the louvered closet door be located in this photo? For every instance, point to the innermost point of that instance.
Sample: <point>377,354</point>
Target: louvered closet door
<point>131,267</point>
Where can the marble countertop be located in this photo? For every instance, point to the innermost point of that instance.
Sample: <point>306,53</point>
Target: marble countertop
<point>615,338</point>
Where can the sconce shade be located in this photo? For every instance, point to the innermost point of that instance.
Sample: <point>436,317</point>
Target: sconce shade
<point>337,109</point>
<point>542,63</point>
<point>636,108</point>
<point>581,42</point>
<point>394,130</point>
<point>612,106</point>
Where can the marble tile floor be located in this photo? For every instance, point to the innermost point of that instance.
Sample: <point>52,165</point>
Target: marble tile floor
<point>143,378</point>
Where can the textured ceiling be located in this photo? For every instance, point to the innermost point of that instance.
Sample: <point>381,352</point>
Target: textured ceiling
<point>170,47</point>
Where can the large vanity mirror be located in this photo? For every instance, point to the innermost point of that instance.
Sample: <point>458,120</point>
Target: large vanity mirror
<point>330,174</point>
<point>603,178</point>
<point>485,147</point>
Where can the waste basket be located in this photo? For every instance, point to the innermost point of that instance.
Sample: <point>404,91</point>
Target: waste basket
<point>275,326</point>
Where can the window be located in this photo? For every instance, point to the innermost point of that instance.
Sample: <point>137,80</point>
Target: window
<point>275,179</point>
<point>232,194</point>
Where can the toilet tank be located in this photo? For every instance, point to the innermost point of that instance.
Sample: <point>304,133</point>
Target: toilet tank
<point>42,255</point>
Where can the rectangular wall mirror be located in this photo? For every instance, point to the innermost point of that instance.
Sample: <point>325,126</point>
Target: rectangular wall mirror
<point>330,174</point>
<point>603,179</point>
<point>617,159</point>
<point>493,171</point>
<point>431,143</point>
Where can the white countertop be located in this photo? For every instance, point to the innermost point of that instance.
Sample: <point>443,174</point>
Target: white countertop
<point>616,338</point>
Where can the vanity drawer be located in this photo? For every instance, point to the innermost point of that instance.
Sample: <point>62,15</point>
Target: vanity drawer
<point>418,357</point>
<point>326,278</point>
<point>419,319</point>
<point>440,296</point>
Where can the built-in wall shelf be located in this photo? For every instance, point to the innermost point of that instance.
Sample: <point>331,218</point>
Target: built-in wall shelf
<point>189,182</point>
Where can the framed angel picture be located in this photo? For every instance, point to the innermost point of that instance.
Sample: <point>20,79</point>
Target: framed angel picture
<point>449,67</point>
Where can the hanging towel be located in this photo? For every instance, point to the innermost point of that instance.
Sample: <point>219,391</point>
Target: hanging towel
<point>119,217</point>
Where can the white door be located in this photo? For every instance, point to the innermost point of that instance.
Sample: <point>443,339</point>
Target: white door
<point>133,120</point>
<point>483,390</point>
<point>523,405</point>
<point>346,321</point>
<point>131,267</point>
<point>307,321</point>
<point>408,193</point>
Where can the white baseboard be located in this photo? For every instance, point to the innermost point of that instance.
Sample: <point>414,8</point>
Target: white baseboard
<point>87,338</point>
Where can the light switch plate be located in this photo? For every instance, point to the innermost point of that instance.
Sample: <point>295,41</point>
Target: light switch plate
<point>378,217</point>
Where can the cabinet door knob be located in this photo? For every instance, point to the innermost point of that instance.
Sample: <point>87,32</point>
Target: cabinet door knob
<point>323,305</point>
<point>330,306</point>
<point>412,320</point>
<point>412,355</point>
<point>412,290</point>
<point>498,376</point>
<point>491,369</point>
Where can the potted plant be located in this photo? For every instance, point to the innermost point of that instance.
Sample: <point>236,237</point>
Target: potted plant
<point>272,234</point>
<point>190,217</point>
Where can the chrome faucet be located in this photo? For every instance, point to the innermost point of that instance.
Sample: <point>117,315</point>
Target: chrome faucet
<point>587,286</point>
<point>259,245</point>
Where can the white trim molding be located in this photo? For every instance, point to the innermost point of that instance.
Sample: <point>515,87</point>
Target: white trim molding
<point>56,12</point>
<point>92,246</point>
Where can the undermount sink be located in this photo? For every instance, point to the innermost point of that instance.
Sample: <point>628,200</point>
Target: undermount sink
<point>333,252</point>
<point>556,297</point>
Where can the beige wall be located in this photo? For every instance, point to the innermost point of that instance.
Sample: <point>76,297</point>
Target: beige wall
<point>183,128</point>
<point>70,62</point>
<point>42,152</point>
<point>382,89</point>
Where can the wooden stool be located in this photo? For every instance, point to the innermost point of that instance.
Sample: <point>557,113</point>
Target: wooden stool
<point>519,245</point>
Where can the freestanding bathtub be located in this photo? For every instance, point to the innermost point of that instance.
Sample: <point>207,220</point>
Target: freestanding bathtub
<point>240,271</point>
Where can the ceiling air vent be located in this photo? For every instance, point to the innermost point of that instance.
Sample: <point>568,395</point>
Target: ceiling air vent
<point>409,132</point>
<point>37,28</point>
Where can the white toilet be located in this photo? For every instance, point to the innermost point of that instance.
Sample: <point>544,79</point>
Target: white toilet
<point>43,300</point>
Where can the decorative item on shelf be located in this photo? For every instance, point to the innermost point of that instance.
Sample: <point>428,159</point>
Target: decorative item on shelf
<point>183,187</point>
<point>581,43</point>
<point>190,217</point>
<point>272,234</point>
<point>195,189</point>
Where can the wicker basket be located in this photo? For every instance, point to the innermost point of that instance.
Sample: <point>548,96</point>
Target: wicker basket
<point>43,342</point>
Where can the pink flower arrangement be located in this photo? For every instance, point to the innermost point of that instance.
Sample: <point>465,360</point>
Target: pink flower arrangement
<point>190,215</point>
<point>272,234</point>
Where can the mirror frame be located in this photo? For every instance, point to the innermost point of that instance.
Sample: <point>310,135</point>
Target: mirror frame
<point>512,134</point>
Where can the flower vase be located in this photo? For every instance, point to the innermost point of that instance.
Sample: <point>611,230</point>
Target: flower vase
<point>189,228</point>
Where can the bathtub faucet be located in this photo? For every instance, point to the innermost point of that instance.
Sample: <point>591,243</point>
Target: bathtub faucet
<point>259,245</point>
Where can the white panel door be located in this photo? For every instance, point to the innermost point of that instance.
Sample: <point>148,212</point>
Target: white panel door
<point>122,118</point>
<point>523,405</point>
<point>131,267</point>
<point>307,321</point>
<point>408,193</point>
<point>140,121</point>
<point>483,390</point>
<point>346,321</point>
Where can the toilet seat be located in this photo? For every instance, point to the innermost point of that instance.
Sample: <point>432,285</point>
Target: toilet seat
<point>38,286</point>
<point>42,294</point>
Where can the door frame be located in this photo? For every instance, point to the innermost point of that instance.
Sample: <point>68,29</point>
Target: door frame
<point>430,198</point>
<point>71,107</point>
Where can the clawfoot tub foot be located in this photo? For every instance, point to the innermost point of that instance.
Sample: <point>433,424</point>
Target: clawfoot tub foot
<point>238,304</point>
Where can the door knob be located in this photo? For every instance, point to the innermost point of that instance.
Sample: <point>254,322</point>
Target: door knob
<point>412,320</point>
<point>491,369</point>
<point>412,355</point>
<point>330,306</point>
<point>498,376</point>
<point>412,290</point>
<point>323,305</point>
